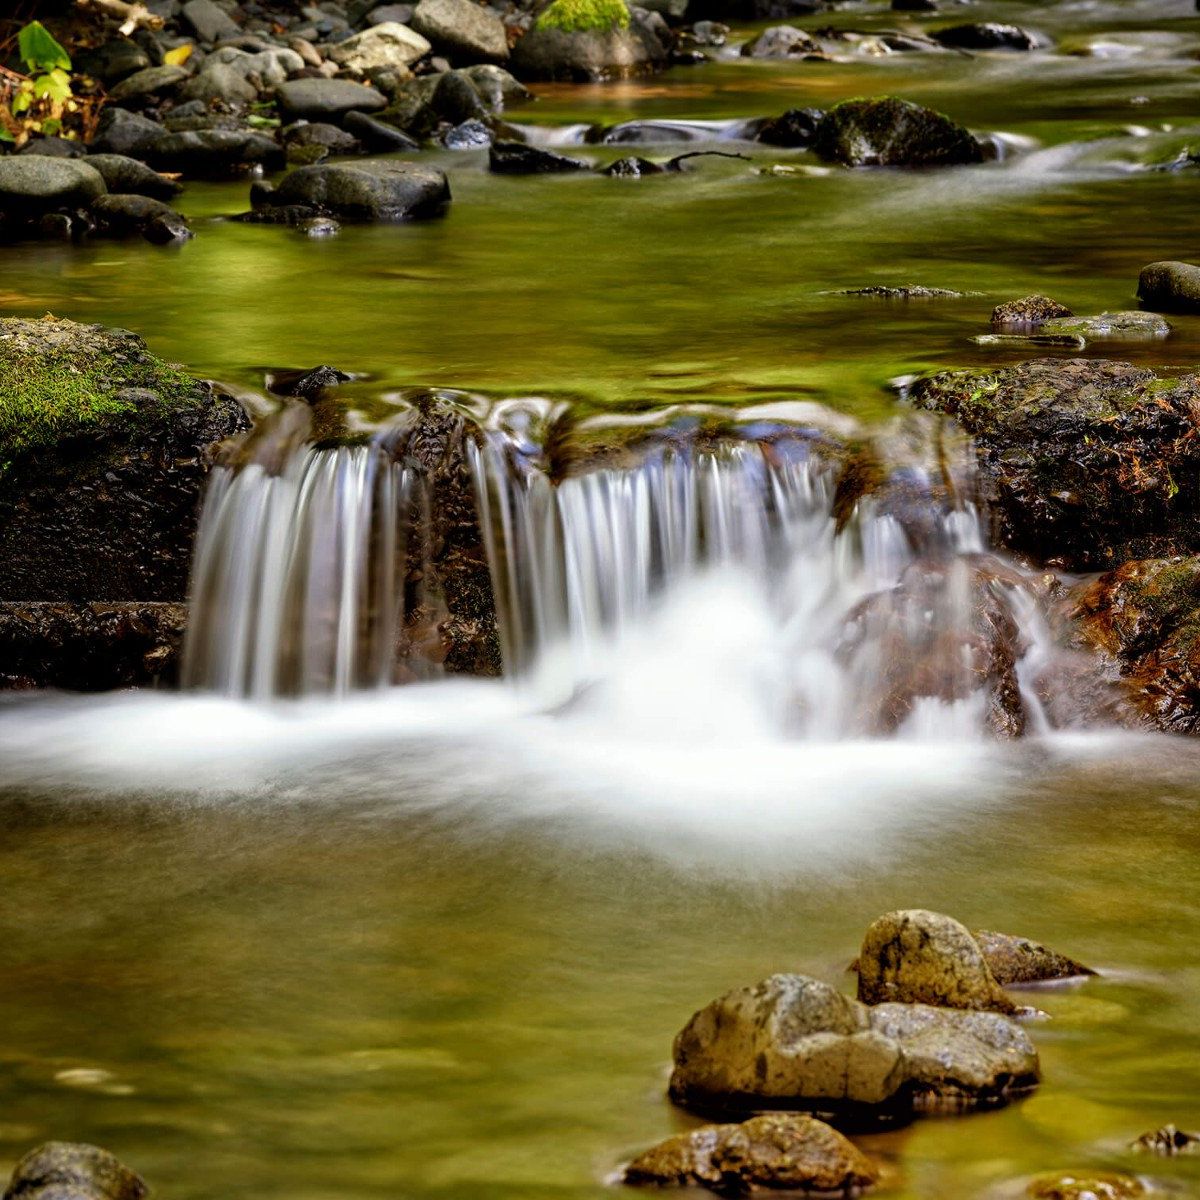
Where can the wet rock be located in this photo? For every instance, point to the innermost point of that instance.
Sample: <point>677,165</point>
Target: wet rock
<point>381,46</point>
<point>209,22</point>
<point>516,158</point>
<point>320,227</point>
<point>128,215</point>
<point>319,133</point>
<point>496,87</point>
<point>470,135</point>
<point>131,177</point>
<point>73,1171</point>
<point>914,6</point>
<point>1028,311</point>
<point>462,30</point>
<point>1032,341</point>
<point>215,153</point>
<point>914,291</point>
<point>918,957</point>
<point>1084,463</point>
<point>778,1151</point>
<point>888,132</point>
<point>1014,961</point>
<point>634,168</point>
<point>106,452</point>
<point>326,99</point>
<point>377,136</point>
<point>1144,618</point>
<point>31,185</point>
<point>113,61</point>
<point>234,77</point>
<point>781,41</point>
<point>151,84</point>
<point>455,99</point>
<point>306,384</point>
<point>1170,287</point>
<point>1110,327</point>
<point>568,43</point>
<point>54,147</point>
<point>361,191</point>
<point>89,647</point>
<point>1167,1142</point>
<point>123,132</point>
<point>987,35</point>
<point>793,1042</point>
<point>1089,1186</point>
<point>795,128</point>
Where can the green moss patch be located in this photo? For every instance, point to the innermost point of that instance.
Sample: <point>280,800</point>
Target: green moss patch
<point>585,16</point>
<point>59,380</point>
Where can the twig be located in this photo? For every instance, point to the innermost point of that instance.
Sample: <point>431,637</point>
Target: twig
<point>131,15</point>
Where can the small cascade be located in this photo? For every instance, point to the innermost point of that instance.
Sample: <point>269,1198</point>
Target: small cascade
<point>296,586</point>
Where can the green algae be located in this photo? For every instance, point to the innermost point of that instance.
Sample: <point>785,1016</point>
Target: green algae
<point>585,16</point>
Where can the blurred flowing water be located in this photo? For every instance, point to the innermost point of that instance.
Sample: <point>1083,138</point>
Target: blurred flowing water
<point>435,941</point>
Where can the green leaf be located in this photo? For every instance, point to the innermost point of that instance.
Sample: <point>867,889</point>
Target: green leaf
<point>21,101</point>
<point>56,86</point>
<point>6,135</point>
<point>257,122</point>
<point>52,127</point>
<point>39,50</point>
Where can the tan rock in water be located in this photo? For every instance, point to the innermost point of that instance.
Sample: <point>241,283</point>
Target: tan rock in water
<point>1086,1187</point>
<point>782,1151</point>
<point>1016,960</point>
<point>913,956</point>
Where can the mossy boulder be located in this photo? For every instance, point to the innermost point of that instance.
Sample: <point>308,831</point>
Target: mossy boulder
<point>104,451</point>
<point>888,132</point>
<point>73,1171</point>
<point>791,1042</point>
<point>919,957</point>
<point>589,41</point>
<point>778,1151</point>
<point>1083,463</point>
<point>1144,619</point>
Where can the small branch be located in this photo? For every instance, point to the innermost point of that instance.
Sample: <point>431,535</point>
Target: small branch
<point>131,15</point>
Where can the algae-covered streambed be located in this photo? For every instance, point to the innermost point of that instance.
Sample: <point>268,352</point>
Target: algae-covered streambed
<point>434,942</point>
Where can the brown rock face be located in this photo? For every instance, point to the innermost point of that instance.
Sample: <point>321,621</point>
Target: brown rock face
<point>1015,960</point>
<point>920,957</point>
<point>779,1151</point>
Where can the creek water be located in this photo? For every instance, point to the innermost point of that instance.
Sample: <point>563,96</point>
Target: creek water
<point>434,941</point>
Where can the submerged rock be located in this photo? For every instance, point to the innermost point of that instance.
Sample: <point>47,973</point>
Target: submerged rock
<point>781,41</point>
<point>1167,1142</point>
<point>73,1171</point>
<point>1082,462</point>
<point>1110,327</point>
<point>1032,341</point>
<point>779,1151</point>
<point>1086,1186</point>
<point>888,132</point>
<point>987,35</point>
<point>795,128</point>
<point>793,1042</point>
<point>123,216</point>
<point>105,453</point>
<point>914,291</point>
<point>1170,287</point>
<point>1028,311</point>
<point>1014,961</point>
<point>516,158</point>
<point>360,191</point>
<point>919,957</point>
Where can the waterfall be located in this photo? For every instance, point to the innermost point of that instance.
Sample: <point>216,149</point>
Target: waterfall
<point>883,612</point>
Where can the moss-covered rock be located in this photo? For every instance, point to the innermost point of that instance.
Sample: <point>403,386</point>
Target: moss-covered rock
<point>888,132</point>
<point>1083,463</point>
<point>589,41</point>
<point>585,16</point>
<point>777,1151</point>
<point>104,451</point>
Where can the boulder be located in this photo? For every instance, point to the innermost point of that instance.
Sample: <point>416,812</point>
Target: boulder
<point>516,158</point>
<point>131,177</point>
<point>588,41</point>
<point>919,957</point>
<point>793,1042</point>
<point>209,21</point>
<point>54,147</point>
<point>1014,961</point>
<point>360,191</point>
<point>124,216</point>
<point>73,1171</point>
<point>1082,463</point>
<point>1110,327</point>
<point>381,46</point>
<point>1144,619</point>
<point>1170,287</point>
<point>31,185</point>
<point>777,1152</point>
<point>888,132</point>
<point>462,30</point>
<point>215,153</point>
<point>794,129</point>
<point>89,647</point>
<point>234,76</point>
<point>326,99</point>
<point>986,35</point>
<point>1028,312</point>
<point>781,41</point>
<point>122,132</point>
<point>151,83</point>
<point>106,450</point>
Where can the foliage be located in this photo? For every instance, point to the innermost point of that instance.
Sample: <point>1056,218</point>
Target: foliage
<point>585,16</point>
<point>43,100</point>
